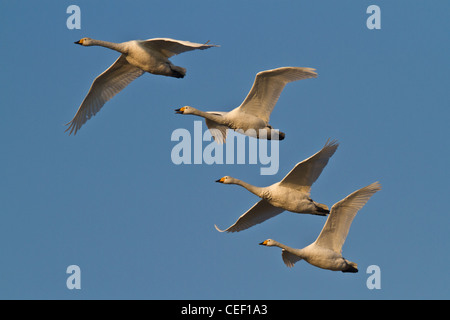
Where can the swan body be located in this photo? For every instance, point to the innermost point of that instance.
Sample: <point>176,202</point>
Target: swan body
<point>291,194</point>
<point>137,57</point>
<point>252,116</point>
<point>326,251</point>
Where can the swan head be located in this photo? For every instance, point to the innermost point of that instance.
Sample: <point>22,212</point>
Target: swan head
<point>185,110</point>
<point>226,180</point>
<point>268,243</point>
<point>84,42</point>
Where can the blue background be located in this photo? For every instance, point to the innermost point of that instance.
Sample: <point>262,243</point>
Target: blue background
<point>111,201</point>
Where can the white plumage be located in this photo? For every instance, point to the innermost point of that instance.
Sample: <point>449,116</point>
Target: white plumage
<point>137,57</point>
<point>292,193</point>
<point>326,251</point>
<point>252,116</point>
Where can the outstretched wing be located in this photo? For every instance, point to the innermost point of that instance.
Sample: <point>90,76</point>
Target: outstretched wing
<point>170,47</point>
<point>267,88</point>
<point>305,173</point>
<point>341,216</point>
<point>105,86</point>
<point>260,212</point>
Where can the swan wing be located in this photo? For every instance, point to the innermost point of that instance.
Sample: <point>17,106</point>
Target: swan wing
<point>170,47</point>
<point>105,86</point>
<point>267,88</point>
<point>305,173</point>
<point>289,258</point>
<point>218,131</point>
<point>260,212</point>
<point>342,213</point>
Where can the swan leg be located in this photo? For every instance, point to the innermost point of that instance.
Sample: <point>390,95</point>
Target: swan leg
<point>350,267</point>
<point>177,72</point>
<point>321,209</point>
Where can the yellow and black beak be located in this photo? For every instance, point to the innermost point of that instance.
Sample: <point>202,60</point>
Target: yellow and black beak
<point>221,180</point>
<point>78,42</point>
<point>263,243</point>
<point>180,111</point>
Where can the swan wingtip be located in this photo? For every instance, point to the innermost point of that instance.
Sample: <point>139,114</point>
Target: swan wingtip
<point>217,228</point>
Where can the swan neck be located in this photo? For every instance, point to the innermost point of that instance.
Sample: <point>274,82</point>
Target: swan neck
<point>297,252</point>
<point>120,47</point>
<point>253,189</point>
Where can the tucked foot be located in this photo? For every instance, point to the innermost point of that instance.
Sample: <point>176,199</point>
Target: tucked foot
<point>177,72</point>
<point>351,267</point>
<point>322,211</point>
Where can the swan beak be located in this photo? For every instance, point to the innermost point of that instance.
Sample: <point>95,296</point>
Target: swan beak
<point>180,111</point>
<point>78,42</point>
<point>221,180</point>
<point>263,243</point>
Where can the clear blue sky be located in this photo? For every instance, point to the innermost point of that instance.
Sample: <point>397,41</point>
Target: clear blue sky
<point>111,201</point>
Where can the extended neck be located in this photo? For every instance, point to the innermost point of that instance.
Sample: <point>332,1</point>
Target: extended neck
<point>297,252</point>
<point>253,189</point>
<point>120,47</point>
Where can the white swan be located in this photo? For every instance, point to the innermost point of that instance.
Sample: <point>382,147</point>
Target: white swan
<point>252,116</point>
<point>137,57</point>
<point>326,251</point>
<point>292,193</point>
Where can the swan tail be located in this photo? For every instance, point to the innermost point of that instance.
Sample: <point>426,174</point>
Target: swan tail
<point>350,267</point>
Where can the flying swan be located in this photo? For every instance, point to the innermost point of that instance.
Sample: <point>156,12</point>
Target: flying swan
<point>252,116</point>
<point>137,57</point>
<point>292,193</point>
<point>326,251</point>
